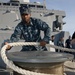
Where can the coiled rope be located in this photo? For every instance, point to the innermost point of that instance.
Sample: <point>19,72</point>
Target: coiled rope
<point>11,65</point>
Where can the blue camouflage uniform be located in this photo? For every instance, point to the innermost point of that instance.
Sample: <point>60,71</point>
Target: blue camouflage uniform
<point>31,33</point>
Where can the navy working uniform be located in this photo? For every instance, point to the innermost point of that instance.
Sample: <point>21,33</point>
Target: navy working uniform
<point>31,33</point>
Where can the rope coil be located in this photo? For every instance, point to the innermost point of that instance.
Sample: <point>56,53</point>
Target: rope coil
<point>11,65</point>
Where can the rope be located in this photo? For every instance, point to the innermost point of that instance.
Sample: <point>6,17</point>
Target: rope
<point>61,48</point>
<point>11,65</point>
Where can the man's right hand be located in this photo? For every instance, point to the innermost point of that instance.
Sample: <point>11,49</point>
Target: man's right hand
<point>8,47</point>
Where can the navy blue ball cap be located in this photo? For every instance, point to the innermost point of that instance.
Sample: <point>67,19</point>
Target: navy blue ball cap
<point>24,10</point>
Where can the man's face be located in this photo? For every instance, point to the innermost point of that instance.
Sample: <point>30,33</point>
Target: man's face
<point>26,17</point>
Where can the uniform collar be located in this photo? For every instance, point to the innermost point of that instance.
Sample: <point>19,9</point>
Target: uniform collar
<point>31,23</point>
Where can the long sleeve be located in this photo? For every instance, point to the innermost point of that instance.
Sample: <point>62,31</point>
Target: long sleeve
<point>47,31</point>
<point>16,35</point>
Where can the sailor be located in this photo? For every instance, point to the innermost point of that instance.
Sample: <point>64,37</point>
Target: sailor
<point>52,43</point>
<point>68,42</point>
<point>29,30</point>
<point>73,43</point>
<point>60,43</point>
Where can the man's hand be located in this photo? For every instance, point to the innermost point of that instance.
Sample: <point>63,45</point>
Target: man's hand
<point>43,43</point>
<point>8,47</point>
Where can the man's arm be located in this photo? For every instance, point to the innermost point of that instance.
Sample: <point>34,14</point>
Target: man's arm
<point>15,36</point>
<point>47,30</point>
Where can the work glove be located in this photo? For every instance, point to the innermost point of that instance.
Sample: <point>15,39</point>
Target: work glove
<point>43,43</point>
<point>8,47</point>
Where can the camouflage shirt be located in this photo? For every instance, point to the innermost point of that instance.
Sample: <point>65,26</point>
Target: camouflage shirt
<point>31,33</point>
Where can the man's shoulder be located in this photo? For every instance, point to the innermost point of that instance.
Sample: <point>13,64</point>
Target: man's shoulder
<point>19,25</point>
<point>67,40</point>
<point>35,19</point>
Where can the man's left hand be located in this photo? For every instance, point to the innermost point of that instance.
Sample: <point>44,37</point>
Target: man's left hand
<point>43,43</point>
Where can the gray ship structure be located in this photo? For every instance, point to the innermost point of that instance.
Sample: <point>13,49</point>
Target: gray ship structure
<point>10,17</point>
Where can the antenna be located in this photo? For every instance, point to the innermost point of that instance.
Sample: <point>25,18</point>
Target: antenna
<point>44,1</point>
